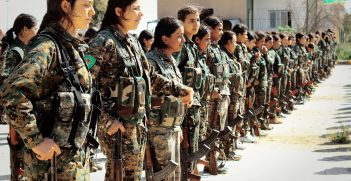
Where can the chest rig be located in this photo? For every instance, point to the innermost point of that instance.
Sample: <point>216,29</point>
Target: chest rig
<point>166,110</point>
<point>70,106</point>
<point>132,90</point>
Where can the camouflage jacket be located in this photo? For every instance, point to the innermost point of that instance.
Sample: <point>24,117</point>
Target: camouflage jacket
<point>208,83</point>
<point>118,55</point>
<point>235,76</point>
<point>242,55</point>
<point>254,69</point>
<point>302,56</point>
<point>284,55</point>
<point>37,77</point>
<point>13,57</point>
<point>189,57</point>
<point>217,58</point>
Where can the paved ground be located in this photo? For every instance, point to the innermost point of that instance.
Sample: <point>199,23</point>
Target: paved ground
<point>298,149</point>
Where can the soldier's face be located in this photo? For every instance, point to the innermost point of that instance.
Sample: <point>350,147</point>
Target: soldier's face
<point>251,44</point>
<point>269,44</point>
<point>231,45</point>
<point>82,14</point>
<point>217,32</point>
<point>130,19</point>
<point>191,24</point>
<point>242,37</point>
<point>260,43</point>
<point>175,41</point>
<point>285,41</point>
<point>203,43</point>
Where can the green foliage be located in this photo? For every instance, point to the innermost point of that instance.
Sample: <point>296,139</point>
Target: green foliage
<point>100,8</point>
<point>342,136</point>
<point>344,51</point>
<point>286,29</point>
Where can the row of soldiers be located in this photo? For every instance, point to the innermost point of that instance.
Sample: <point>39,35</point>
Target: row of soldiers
<point>198,92</point>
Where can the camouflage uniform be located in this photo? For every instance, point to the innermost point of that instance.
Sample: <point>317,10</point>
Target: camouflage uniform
<point>37,77</point>
<point>164,122</point>
<point>119,59</point>
<point>188,59</point>
<point>261,88</point>
<point>302,58</point>
<point>12,58</point>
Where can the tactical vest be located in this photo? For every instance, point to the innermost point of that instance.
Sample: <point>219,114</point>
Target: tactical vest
<point>131,93</point>
<point>220,69</point>
<point>208,79</point>
<point>166,110</point>
<point>69,107</point>
<point>192,75</point>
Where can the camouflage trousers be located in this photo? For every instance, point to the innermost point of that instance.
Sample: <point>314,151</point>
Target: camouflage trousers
<point>166,142</point>
<point>16,157</point>
<point>233,111</point>
<point>204,120</point>
<point>192,124</point>
<point>269,89</point>
<point>72,164</point>
<point>133,151</point>
<point>221,106</point>
<point>260,98</point>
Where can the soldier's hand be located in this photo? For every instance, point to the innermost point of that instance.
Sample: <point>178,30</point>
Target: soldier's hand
<point>116,125</point>
<point>46,149</point>
<point>188,98</point>
<point>264,50</point>
<point>216,95</point>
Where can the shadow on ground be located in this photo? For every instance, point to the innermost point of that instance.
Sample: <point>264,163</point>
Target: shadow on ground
<point>331,150</point>
<point>335,171</point>
<point>339,127</point>
<point>337,158</point>
<point>4,177</point>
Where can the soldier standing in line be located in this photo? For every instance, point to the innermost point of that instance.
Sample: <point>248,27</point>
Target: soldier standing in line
<point>39,100</point>
<point>25,28</point>
<point>261,87</point>
<point>228,44</point>
<point>203,41</point>
<point>125,79</point>
<point>190,65</point>
<point>167,111</point>
<point>146,39</point>
<point>218,106</point>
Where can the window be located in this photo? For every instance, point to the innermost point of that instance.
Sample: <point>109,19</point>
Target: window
<point>278,18</point>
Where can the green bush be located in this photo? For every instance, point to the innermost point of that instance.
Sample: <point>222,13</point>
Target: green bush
<point>286,29</point>
<point>342,136</point>
<point>344,51</point>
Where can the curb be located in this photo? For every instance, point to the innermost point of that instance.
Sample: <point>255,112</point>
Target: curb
<point>346,62</point>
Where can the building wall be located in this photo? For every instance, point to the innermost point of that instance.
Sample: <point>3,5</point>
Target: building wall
<point>226,9</point>
<point>262,8</point>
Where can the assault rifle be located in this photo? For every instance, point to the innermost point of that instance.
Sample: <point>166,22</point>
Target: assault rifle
<point>51,175</point>
<point>117,172</point>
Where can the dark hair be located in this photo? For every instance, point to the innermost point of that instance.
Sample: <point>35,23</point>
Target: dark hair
<point>260,35</point>
<point>276,37</point>
<point>203,30</point>
<point>21,21</point>
<point>227,35</point>
<point>212,21</point>
<point>291,37</point>
<point>165,27</point>
<point>145,34</point>
<point>268,38</point>
<point>182,13</point>
<point>55,13</point>
<point>298,36</point>
<point>89,34</point>
<point>239,29</point>
<point>110,17</point>
<point>251,36</point>
<point>282,35</point>
<point>310,45</point>
<point>311,35</point>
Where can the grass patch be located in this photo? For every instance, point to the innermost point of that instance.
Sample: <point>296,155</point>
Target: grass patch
<point>341,136</point>
<point>344,51</point>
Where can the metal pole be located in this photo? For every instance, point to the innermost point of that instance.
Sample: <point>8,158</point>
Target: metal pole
<point>307,16</point>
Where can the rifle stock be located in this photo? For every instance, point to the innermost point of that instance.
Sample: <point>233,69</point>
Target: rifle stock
<point>116,172</point>
<point>51,175</point>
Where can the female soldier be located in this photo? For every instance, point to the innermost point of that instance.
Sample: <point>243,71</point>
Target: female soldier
<point>25,27</point>
<point>50,88</point>
<point>228,45</point>
<point>166,113</point>
<point>146,39</point>
<point>125,79</point>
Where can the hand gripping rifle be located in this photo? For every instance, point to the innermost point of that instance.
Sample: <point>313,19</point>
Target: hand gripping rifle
<point>51,175</point>
<point>117,172</point>
<point>152,165</point>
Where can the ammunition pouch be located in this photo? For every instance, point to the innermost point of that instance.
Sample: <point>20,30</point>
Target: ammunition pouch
<point>71,121</point>
<point>193,77</point>
<point>166,111</point>
<point>131,99</point>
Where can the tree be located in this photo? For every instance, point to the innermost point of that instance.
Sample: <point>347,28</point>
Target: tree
<point>100,8</point>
